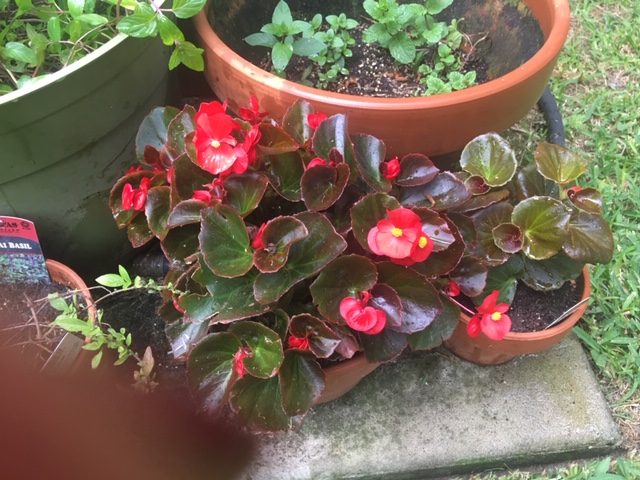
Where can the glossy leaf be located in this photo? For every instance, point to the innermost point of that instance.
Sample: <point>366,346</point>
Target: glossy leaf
<point>587,199</point>
<point>416,169</point>
<point>187,8</point>
<point>185,213</point>
<point>295,121</point>
<point>420,301</point>
<point>228,299</point>
<point>124,217</point>
<point>278,236</point>
<point>441,263</point>
<point>589,239</point>
<point>187,178</point>
<point>508,237</point>
<point>285,174</point>
<point>323,185</point>
<point>436,228</point>
<point>210,369</point>
<point>183,336</point>
<point>306,258</point>
<point>153,129</point>
<point>529,183</point>
<point>181,242</point>
<point>476,184</point>
<point>550,274</point>
<point>258,403</point>
<point>471,276</point>
<point>543,222</point>
<point>485,221</point>
<point>346,276</point>
<point>366,214</point>
<point>266,348</point>
<point>179,127</point>
<point>443,192</point>
<point>245,191</point>
<point>482,201</point>
<point>370,153</point>
<point>275,141</point>
<point>224,242</point>
<point>558,163</point>
<point>301,382</point>
<point>332,133</point>
<point>505,279</point>
<point>157,210</point>
<point>383,347</point>
<point>491,157</point>
<point>322,340</point>
<point>138,231</point>
<point>439,330</point>
<point>386,299</point>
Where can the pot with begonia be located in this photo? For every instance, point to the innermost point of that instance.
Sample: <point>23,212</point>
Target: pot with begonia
<point>295,247</point>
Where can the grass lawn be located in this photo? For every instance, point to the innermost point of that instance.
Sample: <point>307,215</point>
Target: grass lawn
<point>597,86</point>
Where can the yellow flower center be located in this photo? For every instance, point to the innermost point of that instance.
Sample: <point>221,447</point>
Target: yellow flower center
<point>423,242</point>
<point>396,232</point>
<point>496,316</point>
<point>215,143</point>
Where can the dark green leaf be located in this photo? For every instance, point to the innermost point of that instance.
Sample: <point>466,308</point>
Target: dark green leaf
<point>550,274</point>
<point>485,221</point>
<point>245,191</point>
<point>286,171</point>
<point>439,330</point>
<point>183,336</point>
<point>157,210</point>
<point>420,302</point>
<point>295,121</point>
<point>224,242</point>
<point>370,153</point>
<point>275,141</point>
<point>301,382</point>
<point>471,276</point>
<point>436,228</point>
<point>153,129</point>
<point>505,279</point>
<point>491,157</point>
<point>323,185</point>
<point>383,347</point>
<point>333,133</point>
<point>188,177</point>
<point>508,237</point>
<point>416,169</point>
<point>185,212</point>
<point>529,183</point>
<point>306,258</point>
<point>445,191</point>
<point>589,239</point>
<point>181,242</point>
<point>441,263</point>
<point>258,403</point>
<point>266,348</point>
<point>322,340</point>
<point>344,277</point>
<point>138,231</point>
<point>543,222</point>
<point>210,369</point>
<point>179,127</point>
<point>278,236</point>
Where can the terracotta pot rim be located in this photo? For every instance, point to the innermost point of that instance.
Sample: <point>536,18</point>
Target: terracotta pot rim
<point>566,324</point>
<point>550,49</point>
<point>76,282</point>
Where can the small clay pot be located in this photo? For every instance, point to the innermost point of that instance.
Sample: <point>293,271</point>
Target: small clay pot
<point>484,351</point>
<point>343,376</point>
<point>433,125</point>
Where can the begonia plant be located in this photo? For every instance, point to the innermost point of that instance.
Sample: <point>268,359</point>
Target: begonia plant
<point>296,245</point>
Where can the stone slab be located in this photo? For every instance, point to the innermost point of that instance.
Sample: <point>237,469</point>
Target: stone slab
<point>429,415</point>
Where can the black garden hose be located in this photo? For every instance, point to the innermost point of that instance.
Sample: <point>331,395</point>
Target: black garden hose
<point>551,113</point>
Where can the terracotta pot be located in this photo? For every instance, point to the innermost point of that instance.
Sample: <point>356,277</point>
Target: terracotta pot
<point>434,125</point>
<point>342,377</point>
<point>64,275</point>
<point>484,351</point>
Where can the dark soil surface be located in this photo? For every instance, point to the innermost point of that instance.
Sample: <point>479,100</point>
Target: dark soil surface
<point>372,71</point>
<point>22,305</point>
<point>532,311</point>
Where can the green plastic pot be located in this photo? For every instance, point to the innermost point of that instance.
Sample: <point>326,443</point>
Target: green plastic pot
<point>65,140</point>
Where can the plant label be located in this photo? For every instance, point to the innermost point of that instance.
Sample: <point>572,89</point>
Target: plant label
<point>21,259</point>
<point>65,354</point>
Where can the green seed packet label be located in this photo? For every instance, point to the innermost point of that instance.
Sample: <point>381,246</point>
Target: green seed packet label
<point>21,259</point>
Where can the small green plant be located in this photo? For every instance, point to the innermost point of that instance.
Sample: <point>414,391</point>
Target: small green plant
<point>38,37</point>
<point>412,35</point>
<point>100,335</point>
<point>338,41</point>
<point>280,35</point>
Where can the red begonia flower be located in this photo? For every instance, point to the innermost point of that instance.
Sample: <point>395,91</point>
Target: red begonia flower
<point>134,170</point>
<point>495,324</point>
<point>216,147</point>
<point>315,119</point>
<point>319,161</point>
<point>202,195</point>
<point>252,115</point>
<point>390,169</point>
<point>422,248</point>
<point>301,343</point>
<point>257,241</point>
<point>238,360</point>
<point>362,318</point>
<point>396,237</point>
<point>473,327</point>
<point>452,289</point>
<point>135,198</point>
